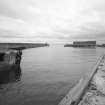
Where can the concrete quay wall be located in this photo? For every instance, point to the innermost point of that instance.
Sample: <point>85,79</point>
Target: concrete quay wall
<point>22,45</point>
<point>76,94</point>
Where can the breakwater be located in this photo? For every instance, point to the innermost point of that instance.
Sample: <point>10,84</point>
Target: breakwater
<point>21,45</point>
<point>95,92</point>
<point>84,90</point>
<point>10,58</point>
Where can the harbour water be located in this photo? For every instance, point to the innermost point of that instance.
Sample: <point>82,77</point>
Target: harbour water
<point>47,74</point>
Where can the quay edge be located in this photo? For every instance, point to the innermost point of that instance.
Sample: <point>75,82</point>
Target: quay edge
<point>9,64</point>
<point>76,94</point>
<point>10,58</point>
<point>22,46</point>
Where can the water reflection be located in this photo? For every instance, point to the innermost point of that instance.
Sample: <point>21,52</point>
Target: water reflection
<point>11,75</point>
<point>47,75</point>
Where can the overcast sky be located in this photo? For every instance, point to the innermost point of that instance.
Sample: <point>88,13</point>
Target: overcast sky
<point>52,20</point>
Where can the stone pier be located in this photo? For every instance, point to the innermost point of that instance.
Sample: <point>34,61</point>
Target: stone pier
<point>90,90</point>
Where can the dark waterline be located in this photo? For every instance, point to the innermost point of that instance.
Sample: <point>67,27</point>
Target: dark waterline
<point>48,74</point>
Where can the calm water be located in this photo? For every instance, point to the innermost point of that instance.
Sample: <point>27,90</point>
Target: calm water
<point>48,73</point>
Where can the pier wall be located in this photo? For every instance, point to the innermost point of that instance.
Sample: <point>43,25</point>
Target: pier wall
<point>21,45</point>
<point>75,95</point>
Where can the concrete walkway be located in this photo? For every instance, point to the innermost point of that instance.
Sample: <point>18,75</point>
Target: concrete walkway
<point>90,90</point>
<point>95,93</point>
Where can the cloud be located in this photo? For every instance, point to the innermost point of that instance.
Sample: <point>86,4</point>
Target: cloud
<point>52,19</point>
<point>15,25</point>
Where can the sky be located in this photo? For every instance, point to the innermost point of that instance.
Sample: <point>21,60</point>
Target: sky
<point>52,20</point>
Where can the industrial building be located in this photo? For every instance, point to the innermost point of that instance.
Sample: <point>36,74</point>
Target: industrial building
<point>84,44</point>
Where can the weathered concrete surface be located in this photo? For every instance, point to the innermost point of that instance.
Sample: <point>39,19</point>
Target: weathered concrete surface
<point>9,64</point>
<point>95,94</point>
<point>75,95</point>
